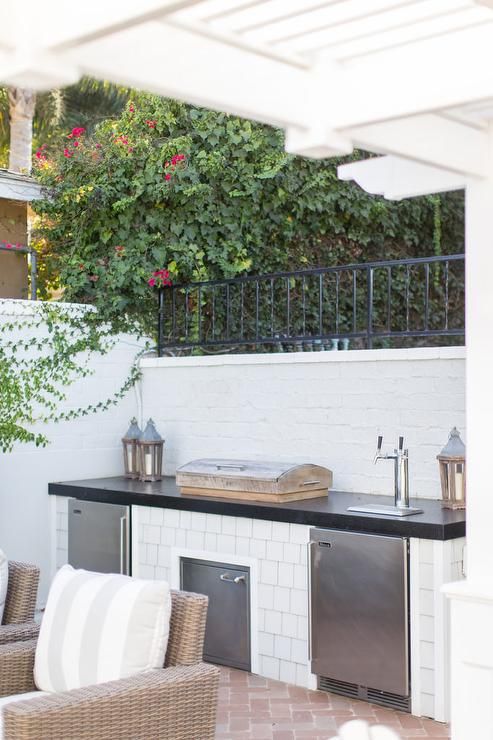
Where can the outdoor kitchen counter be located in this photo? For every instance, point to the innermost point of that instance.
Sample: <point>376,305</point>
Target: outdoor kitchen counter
<point>435,523</point>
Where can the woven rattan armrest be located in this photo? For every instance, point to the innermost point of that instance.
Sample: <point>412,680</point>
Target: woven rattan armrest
<point>21,593</point>
<point>16,667</point>
<point>15,632</point>
<point>176,703</point>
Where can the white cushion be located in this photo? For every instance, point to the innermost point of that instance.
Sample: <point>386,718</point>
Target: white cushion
<point>100,627</point>
<point>16,697</point>
<point>4,581</point>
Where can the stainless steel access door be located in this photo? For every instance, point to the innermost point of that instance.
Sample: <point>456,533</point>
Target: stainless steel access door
<point>99,536</point>
<point>227,633</point>
<point>359,609</point>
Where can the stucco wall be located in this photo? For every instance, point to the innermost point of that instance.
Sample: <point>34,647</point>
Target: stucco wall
<point>85,448</point>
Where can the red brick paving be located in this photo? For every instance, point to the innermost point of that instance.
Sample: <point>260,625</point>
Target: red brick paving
<point>255,708</point>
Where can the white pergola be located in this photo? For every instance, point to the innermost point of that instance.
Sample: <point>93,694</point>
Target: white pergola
<point>411,80</point>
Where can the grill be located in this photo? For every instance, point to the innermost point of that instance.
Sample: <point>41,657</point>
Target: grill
<point>254,480</point>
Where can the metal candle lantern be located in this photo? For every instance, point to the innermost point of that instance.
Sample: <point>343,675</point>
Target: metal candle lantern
<point>130,455</point>
<point>150,449</point>
<point>452,461</point>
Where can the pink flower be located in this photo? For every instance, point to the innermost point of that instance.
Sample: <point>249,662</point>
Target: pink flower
<point>151,124</point>
<point>119,248</point>
<point>152,282</point>
<point>67,154</point>
<point>76,143</point>
<point>167,177</point>
<point>98,146</point>
<point>76,132</point>
<point>131,108</point>
<point>93,278</point>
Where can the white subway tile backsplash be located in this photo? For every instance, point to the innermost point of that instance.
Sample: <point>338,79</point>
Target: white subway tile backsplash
<point>298,534</point>
<point>196,540</point>
<point>262,530</point>
<point>300,576</point>
<point>243,527</point>
<point>299,602</point>
<point>171,516</point>
<point>266,643</point>
<point>289,625</point>
<point>199,521</point>
<point>156,516</point>
<point>282,598</point>
<point>287,671</point>
<point>185,520</point>
<point>269,667</point>
<point>265,596</point>
<point>299,651</point>
<point>292,553</point>
<point>274,551</point>
<point>228,525</point>
<point>282,647</point>
<point>210,541</point>
<point>280,531</point>
<point>273,621</point>
<point>258,549</point>
<point>286,574</point>
<point>226,543</point>
<point>268,572</point>
<point>213,523</point>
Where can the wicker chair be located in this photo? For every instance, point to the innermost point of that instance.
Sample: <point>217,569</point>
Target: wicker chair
<point>18,616</point>
<point>177,702</point>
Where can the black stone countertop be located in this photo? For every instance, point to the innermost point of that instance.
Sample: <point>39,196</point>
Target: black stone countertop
<point>329,511</point>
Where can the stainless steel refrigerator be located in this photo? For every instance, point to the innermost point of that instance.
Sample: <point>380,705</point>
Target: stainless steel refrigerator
<point>99,536</point>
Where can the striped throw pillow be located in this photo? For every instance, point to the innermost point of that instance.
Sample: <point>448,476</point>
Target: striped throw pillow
<point>100,627</point>
<point>4,581</point>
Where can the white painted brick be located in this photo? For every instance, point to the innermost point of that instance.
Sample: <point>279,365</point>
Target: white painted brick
<point>144,514</point>
<point>427,654</point>
<point>280,531</point>
<point>286,574</point>
<point>299,602</point>
<point>210,541</point>
<point>213,523</point>
<point>228,525</point>
<point>299,651</point>
<point>300,576</point>
<point>266,643</point>
<point>195,540</point>
<point>151,554</point>
<point>268,572</point>
<point>292,553</point>
<point>172,518</point>
<point>427,628</point>
<point>168,536</point>
<point>147,571</point>
<point>282,647</point>
<point>226,543</point>
<point>302,628</point>
<point>427,705</point>
<point>261,530</point>
<point>269,667</point>
<point>265,596</point>
<point>275,551</point>
<point>287,671</point>
<point>180,537</point>
<point>257,548</point>
<point>152,534</point>
<point>198,521</point>
<point>243,527</point>
<point>164,556</point>
<point>156,516</point>
<point>282,598</point>
<point>427,680</point>
<point>299,534</point>
<point>273,621</point>
<point>242,546</point>
<point>289,625</point>
<point>302,675</point>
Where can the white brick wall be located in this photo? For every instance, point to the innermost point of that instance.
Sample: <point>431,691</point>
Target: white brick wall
<point>279,552</point>
<point>322,407</point>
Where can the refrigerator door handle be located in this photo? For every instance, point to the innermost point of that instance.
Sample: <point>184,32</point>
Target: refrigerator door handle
<point>309,548</point>
<point>123,546</point>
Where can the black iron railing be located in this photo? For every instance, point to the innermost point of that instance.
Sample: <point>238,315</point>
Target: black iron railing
<point>393,303</point>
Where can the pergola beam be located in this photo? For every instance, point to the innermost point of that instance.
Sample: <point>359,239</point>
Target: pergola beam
<point>396,178</point>
<point>177,63</point>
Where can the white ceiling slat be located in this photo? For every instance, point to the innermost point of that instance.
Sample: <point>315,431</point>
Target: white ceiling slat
<point>207,10</point>
<point>270,11</point>
<point>325,18</point>
<point>460,20</point>
<point>177,63</point>
<point>364,27</point>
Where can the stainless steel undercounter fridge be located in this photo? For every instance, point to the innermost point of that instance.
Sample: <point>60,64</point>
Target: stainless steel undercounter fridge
<point>99,536</point>
<point>359,615</point>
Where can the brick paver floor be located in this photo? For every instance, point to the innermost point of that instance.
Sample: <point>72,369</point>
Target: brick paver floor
<point>254,708</point>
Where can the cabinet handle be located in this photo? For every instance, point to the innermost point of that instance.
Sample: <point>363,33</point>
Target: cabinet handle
<point>310,482</point>
<point>226,577</point>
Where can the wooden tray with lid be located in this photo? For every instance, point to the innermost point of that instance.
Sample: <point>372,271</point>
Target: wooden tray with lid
<point>253,480</point>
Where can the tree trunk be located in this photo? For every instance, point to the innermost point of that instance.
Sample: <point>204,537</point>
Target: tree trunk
<point>21,110</point>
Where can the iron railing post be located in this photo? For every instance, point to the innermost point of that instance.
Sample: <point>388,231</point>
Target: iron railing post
<point>369,307</point>
<point>160,320</point>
